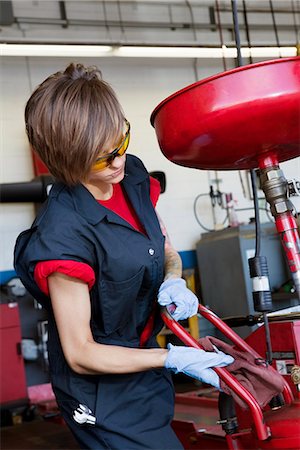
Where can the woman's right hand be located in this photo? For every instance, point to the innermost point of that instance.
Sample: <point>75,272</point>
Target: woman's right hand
<point>197,363</point>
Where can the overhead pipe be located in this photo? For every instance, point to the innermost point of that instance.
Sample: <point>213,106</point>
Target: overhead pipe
<point>35,191</point>
<point>135,24</point>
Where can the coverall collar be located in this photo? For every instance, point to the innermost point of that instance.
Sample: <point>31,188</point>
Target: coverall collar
<point>93,211</point>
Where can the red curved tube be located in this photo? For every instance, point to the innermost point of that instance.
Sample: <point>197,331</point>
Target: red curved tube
<point>263,432</point>
<point>241,344</point>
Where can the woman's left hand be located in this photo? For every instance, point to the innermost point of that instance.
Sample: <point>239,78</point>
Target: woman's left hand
<point>174,291</point>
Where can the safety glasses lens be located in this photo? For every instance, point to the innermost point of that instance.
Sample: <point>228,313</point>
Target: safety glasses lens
<point>106,160</point>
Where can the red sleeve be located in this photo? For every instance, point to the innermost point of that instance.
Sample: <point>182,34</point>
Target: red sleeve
<point>73,269</point>
<point>154,190</point>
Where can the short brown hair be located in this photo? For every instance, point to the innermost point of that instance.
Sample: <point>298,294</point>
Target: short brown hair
<point>69,118</point>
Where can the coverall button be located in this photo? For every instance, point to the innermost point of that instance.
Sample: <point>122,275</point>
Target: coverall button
<point>151,251</point>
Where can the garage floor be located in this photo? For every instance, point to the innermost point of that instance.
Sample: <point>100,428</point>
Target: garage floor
<point>47,435</point>
<point>37,435</point>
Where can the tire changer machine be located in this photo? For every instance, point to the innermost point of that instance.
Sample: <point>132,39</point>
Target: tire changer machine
<point>245,118</point>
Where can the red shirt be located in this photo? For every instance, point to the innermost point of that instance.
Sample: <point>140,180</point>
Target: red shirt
<point>120,204</point>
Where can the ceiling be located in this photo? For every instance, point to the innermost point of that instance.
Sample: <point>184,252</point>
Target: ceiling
<point>150,22</point>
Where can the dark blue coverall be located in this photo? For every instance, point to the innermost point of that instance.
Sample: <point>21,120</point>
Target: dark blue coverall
<point>127,411</point>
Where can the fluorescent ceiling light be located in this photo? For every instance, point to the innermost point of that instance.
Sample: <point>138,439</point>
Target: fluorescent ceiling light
<point>167,52</point>
<point>54,50</point>
<point>262,52</point>
<point>203,52</point>
<point>72,50</point>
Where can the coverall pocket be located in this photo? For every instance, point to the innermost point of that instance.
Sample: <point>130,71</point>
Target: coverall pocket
<point>76,397</point>
<point>118,301</point>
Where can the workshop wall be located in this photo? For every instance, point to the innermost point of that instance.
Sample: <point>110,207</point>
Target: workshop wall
<point>141,84</point>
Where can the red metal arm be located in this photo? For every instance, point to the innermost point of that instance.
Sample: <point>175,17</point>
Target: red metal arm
<point>262,430</point>
<point>241,344</point>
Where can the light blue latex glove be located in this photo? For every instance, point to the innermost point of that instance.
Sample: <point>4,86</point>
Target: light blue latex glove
<point>174,291</point>
<point>197,363</point>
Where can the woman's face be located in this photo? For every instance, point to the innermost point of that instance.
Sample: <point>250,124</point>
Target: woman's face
<point>109,167</point>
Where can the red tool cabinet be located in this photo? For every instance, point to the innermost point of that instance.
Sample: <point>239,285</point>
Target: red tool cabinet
<point>13,387</point>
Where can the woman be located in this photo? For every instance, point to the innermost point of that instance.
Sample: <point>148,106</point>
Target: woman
<point>97,257</point>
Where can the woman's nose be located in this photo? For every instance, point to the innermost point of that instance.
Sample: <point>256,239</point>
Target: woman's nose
<point>118,161</point>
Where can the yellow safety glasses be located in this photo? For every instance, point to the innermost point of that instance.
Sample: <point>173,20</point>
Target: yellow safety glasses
<point>105,161</point>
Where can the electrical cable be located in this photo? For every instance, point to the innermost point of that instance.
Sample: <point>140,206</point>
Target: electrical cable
<point>105,20</point>
<point>27,65</point>
<point>220,31</point>
<point>197,216</point>
<point>195,65</point>
<point>171,17</point>
<point>121,20</point>
<point>275,26</point>
<point>251,208</point>
<point>296,28</point>
<point>270,218</point>
<point>63,13</point>
<point>247,29</point>
<point>242,183</point>
<point>192,19</point>
<point>236,32</point>
<point>210,194</point>
<point>240,62</point>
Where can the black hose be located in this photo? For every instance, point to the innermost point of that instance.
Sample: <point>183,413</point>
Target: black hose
<point>237,32</point>
<point>256,213</point>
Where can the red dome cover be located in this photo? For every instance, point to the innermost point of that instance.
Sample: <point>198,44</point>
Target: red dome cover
<point>232,119</point>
